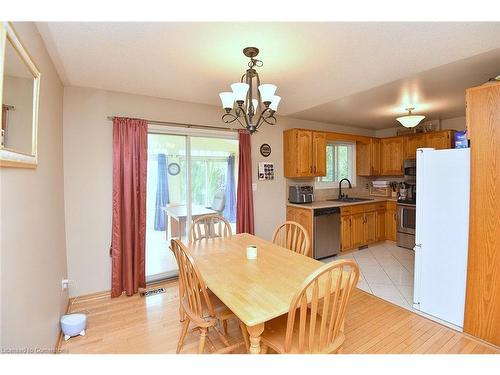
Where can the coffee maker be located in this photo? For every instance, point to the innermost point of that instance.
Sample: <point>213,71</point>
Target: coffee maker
<point>407,192</point>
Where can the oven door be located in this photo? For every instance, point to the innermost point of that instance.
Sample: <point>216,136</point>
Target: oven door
<point>406,218</point>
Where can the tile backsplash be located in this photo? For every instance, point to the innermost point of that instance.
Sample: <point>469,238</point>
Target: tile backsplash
<point>361,188</point>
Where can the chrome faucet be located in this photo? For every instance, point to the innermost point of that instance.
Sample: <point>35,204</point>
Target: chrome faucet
<point>340,187</point>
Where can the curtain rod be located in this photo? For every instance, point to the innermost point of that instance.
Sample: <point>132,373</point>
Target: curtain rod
<point>182,125</point>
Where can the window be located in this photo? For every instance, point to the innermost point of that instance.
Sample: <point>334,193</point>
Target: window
<point>340,163</point>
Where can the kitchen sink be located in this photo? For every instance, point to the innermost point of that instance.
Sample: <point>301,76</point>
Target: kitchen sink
<point>350,199</point>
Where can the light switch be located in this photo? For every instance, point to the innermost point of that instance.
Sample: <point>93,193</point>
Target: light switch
<point>254,187</point>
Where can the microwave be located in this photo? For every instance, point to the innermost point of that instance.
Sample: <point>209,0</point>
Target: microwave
<point>410,169</point>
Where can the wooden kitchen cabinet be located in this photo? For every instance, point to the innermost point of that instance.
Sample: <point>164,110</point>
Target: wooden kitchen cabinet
<point>370,227</point>
<point>380,225</point>
<point>304,217</point>
<point>368,157</point>
<point>411,143</point>
<point>482,301</point>
<point>345,232</point>
<point>440,140</point>
<point>390,221</point>
<point>362,225</point>
<point>319,153</point>
<point>358,230</point>
<point>304,153</point>
<point>391,155</point>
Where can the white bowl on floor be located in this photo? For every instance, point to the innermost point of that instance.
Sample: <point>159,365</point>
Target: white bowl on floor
<point>73,325</point>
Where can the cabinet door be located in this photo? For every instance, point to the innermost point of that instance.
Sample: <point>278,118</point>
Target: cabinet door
<point>363,159</point>
<point>345,232</point>
<point>303,216</point>
<point>370,228</point>
<point>380,225</point>
<point>319,154</point>
<point>392,156</point>
<point>304,153</point>
<point>390,225</point>
<point>375,156</point>
<point>438,140</point>
<point>412,142</point>
<point>358,230</point>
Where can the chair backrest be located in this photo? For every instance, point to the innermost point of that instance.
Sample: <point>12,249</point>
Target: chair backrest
<point>293,236</point>
<point>219,201</point>
<point>319,306</point>
<point>210,226</point>
<point>194,291</point>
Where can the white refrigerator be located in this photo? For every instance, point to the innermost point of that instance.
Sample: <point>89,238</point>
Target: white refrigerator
<point>442,233</point>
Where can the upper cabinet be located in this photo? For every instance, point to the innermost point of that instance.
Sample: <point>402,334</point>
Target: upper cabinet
<point>439,140</point>
<point>304,153</point>
<point>368,157</point>
<point>411,143</point>
<point>385,156</point>
<point>391,156</point>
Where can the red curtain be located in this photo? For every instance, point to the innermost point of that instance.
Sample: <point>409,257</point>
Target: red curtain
<point>128,241</point>
<point>244,205</point>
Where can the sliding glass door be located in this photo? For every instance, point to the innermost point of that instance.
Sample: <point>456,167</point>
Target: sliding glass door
<point>189,174</point>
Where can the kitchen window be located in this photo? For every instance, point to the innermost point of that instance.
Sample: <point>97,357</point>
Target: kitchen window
<point>340,163</point>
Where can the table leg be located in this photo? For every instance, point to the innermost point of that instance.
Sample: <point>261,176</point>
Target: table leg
<point>255,332</point>
<point>174,227</point>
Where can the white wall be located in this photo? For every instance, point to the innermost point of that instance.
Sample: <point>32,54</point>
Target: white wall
<point>457,123</point>
<point>88,171</point>
<point>33,254</point>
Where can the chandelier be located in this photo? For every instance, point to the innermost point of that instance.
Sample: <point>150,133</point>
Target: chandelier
<point>256,102</point>
<point>410,120</point>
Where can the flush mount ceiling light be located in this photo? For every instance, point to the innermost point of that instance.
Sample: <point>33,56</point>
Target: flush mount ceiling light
<point>410,121</point>
<point>249,100</point>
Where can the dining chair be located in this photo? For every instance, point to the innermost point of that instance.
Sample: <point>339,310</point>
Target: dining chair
<point>315,320</point>
<point>293,236</point>
<point>200,307</point>
<point>209,226</point>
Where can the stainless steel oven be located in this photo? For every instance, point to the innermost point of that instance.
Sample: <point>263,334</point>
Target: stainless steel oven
<point>406,219</point>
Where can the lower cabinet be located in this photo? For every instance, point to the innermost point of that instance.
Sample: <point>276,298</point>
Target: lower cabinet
<point>390,221</point>
<point>362,225</point>
<point>380,225</point>
<point>304,217</point>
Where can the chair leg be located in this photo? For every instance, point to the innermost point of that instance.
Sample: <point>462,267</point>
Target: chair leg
<point>182,314</point>
<point>203,337</point>
<point>244,332</point>
<point>184,330</point>
<point>221,336</point>
<point>224,326</point>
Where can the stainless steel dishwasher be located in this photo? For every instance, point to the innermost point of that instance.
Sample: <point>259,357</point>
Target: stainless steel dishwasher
<point>326,232</point>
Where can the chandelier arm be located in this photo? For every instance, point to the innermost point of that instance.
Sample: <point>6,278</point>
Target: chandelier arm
<point>229,118</point>
<point>263,118</point>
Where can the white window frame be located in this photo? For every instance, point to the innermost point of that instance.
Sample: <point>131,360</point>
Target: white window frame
<point>318,184</point>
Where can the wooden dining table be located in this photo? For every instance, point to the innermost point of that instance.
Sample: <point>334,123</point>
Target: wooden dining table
<point>255,290</point>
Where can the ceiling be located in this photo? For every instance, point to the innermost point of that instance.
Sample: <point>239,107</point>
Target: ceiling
<point>344,73</point>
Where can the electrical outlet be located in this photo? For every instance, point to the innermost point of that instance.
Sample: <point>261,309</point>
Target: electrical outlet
<point>64,284</point>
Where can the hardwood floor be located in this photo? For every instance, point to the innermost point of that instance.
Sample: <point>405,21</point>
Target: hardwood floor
<point>151,325</point>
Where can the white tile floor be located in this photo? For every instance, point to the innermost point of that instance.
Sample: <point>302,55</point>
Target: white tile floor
<point>386,271</point>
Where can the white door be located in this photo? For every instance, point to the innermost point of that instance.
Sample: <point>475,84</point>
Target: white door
<point>443,181</point>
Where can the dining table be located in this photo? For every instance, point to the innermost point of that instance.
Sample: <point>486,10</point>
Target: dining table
<point>255,290</point>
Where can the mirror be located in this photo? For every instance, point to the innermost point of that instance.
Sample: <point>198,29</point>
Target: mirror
<point>19,98</point>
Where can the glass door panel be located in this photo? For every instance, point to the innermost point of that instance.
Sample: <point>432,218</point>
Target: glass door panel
<point>214,171</point>
<point>166,207</point>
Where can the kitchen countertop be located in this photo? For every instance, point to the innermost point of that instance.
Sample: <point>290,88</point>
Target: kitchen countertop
<point>328,204</point>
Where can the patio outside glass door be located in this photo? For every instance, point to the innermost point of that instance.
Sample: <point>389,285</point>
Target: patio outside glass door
<point>188,175</point>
